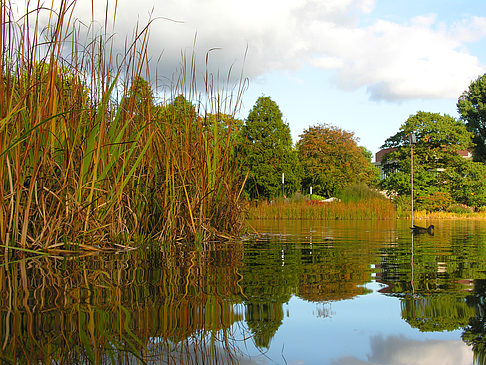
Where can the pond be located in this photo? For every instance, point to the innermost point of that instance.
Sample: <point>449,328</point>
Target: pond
<point>298,292</point>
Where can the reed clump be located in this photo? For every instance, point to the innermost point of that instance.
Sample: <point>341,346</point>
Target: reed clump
<point>376,208</point>
<point>354,202</point>
<point>89,157</point>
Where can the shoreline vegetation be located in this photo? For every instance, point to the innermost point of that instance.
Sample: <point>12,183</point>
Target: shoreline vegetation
<point>90,158</point>
<point>315,210</point>
<point>356,202</point>
<point>288,209</point>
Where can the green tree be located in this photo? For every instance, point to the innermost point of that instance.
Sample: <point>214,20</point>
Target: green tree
<point>266,146</point>
<point>331,160</point>
<point>472,109</point>
<point>437,165</point>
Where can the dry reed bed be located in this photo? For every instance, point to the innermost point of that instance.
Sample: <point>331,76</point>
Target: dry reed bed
<point>422,214</point>
<point>281,209</point>
<point>85,160</point>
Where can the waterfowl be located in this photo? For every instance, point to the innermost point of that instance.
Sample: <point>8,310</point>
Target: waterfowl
<point>420,230</point>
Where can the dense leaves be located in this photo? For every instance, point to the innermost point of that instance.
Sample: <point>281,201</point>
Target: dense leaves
<point>472,108</point>
<point>438,164</point>
<point>267,150</point>
<point>331,160</point>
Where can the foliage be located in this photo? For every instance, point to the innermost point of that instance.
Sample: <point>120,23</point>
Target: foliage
<point>433,131</point>
<point>140,100</point>
<point>438,168</point>
<point>403,205</point>
<point>331,160</point>
<point>468,182</point>
<point>359,192</point>
<point>472,109</point>
<point>266,147</point>
<point>370,174</point>
<point>459,209</point>
<point>439,201</point>
<point>82,165</point>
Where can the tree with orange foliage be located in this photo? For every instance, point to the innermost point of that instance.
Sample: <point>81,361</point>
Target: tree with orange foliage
<point>331,160</point>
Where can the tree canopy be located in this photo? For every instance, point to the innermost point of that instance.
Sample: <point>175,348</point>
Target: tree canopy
<point>472,109</point>
<point>266,147</point>
<point>331,160</point>
<point>438,166</point>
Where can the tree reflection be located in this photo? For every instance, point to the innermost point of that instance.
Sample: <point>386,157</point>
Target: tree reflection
<point>263,320</point>
<point>319,269</point>
<point>439,312</point>
<point>475,333</point>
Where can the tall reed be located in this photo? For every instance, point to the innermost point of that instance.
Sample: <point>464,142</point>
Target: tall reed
<point>85,161</point>
<point>375,208</point>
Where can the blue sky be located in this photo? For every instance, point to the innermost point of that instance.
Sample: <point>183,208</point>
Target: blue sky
<point>310,95</point>
<point>362,65</point>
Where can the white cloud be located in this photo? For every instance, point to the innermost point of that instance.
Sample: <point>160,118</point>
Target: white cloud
<point>396,62</point>
<point>469,30</point>
<point>421,58</point>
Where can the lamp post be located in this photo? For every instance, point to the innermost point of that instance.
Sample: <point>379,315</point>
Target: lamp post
<point>412,139</point>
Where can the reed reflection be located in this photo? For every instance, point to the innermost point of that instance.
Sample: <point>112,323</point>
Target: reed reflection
<point>175,306</point>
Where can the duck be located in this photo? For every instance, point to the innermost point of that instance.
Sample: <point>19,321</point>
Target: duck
<point>421,230</point>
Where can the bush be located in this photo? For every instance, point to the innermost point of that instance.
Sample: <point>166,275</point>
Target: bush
<point>460,208</point>
<point>439,201</point>
<point>402,205</point>
<point>359,192</point>
<point>317,197</point>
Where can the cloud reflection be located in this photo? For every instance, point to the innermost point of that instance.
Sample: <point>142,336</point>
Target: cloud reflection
<point>398,350</point>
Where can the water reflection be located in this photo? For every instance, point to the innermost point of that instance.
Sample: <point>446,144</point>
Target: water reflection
<point>395,350</point>
<point>359,287</point>
<point>475,333</point>
<point>120,308</point>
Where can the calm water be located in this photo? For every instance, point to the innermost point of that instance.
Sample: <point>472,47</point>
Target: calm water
<point>341,293</point>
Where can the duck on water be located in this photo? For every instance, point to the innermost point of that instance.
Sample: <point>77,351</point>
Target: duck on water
<point>420,230</point>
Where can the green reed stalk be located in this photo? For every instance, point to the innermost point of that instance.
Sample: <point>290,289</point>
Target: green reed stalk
<point>76,166</point>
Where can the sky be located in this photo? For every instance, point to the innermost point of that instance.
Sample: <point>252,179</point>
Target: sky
<point>362,65</point>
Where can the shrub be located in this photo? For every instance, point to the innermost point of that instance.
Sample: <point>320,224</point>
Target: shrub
<point>359,192</point>
<point>402,205</point>
<point>460,208</point>
<point>438,201</point>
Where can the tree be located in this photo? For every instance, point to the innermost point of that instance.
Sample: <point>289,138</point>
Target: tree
<point>266,146</point>
<point>472,109</point>
<point>438,167</point>
<point>331,160</point>
<point>140,100</point>
<point>370,174</point>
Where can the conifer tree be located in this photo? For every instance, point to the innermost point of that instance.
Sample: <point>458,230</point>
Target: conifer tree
<point>266,145</point>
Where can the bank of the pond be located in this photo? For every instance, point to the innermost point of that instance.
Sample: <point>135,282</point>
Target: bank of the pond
<point>364,209</point>
<point>287,209</point>
<point>445,215</point>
